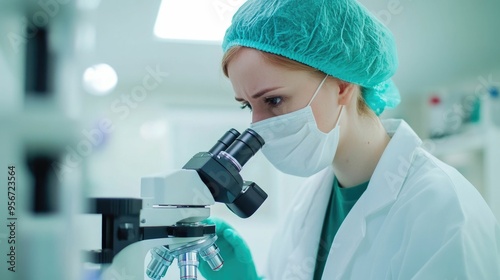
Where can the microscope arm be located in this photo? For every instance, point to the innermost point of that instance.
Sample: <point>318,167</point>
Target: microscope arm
<point>177,188</point>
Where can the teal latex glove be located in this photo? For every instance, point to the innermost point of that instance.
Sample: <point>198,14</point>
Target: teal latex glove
<point>238,262</point>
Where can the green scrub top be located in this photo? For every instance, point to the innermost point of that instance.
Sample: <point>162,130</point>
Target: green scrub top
<point>341,202</point>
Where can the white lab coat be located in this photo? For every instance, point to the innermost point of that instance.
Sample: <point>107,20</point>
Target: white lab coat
<point>418,219</point>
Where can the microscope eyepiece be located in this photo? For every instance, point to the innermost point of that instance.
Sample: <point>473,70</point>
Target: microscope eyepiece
<point>225,141</point>
<point>220,170</point>
<point>245,146</point>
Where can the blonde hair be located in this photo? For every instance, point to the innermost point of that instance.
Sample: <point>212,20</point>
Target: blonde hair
<point>279,60</point>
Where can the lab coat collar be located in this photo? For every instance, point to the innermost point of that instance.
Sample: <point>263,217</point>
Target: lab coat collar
<point>383,189</point>
<point>393,166</point>
<point>309,213</point>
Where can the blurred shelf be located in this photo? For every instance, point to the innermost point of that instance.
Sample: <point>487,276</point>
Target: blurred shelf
<point>472,138</point>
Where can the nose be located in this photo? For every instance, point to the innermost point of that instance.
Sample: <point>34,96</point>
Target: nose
<point>258,116</point>
<point>255,118</point>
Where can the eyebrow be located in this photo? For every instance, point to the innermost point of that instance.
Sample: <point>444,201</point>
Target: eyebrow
<point>259,94</point>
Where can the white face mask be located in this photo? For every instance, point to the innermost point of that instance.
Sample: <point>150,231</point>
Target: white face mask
<point>295,145</point>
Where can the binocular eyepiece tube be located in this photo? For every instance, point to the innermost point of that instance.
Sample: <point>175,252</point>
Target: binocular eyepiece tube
<point>238,149</point>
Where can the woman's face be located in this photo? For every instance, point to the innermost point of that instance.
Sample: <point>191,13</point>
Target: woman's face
<point>270,90</point>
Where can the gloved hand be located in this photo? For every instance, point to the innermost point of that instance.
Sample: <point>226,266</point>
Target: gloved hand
<point>238,263</point>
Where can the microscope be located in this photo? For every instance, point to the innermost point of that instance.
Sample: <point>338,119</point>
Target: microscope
<point>167,221</point>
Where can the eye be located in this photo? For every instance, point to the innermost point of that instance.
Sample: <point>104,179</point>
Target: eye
<point>274,101</point>
<point>246,105</point>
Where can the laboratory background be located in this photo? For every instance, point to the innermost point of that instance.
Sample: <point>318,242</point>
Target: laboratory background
<point>96,94</point>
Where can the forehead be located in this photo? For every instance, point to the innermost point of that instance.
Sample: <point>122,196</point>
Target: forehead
<point>247,62</point>
<point>249,71</point>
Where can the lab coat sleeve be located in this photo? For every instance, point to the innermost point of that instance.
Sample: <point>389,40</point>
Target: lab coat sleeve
<point>458,258</point>
<point>448,237</point>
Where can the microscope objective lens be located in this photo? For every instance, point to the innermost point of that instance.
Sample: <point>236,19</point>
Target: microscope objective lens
<point>212,257</point>
<point>160,261</point>
<point>188,266</point>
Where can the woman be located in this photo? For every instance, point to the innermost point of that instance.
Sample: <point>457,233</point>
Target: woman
<point>376,206</point>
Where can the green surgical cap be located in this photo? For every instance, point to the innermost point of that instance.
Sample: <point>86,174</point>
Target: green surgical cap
<point>338,37</point>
